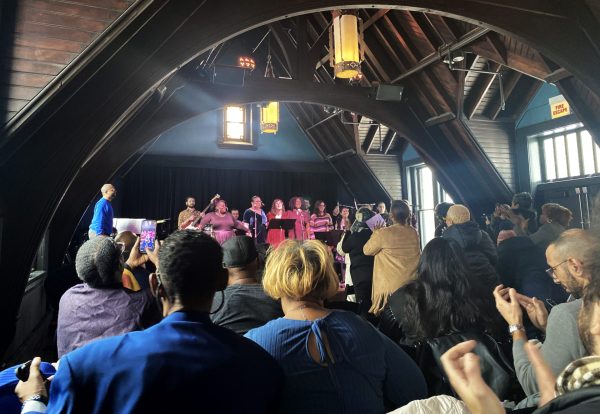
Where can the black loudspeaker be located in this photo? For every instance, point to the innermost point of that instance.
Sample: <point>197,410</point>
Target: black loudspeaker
<point>389,93</point>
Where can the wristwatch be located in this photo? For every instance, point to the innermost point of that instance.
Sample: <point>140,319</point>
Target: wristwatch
<point>514,328</point>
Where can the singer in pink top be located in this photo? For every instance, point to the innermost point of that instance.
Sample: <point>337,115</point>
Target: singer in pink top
<point>302,217</point>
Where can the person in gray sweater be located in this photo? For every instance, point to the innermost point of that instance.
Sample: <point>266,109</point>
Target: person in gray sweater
<point>573,260</point>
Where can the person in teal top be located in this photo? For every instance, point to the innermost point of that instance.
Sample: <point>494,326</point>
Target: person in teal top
<point>333,361</point>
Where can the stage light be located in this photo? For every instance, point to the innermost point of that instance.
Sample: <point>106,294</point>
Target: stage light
<point>246,62</point>
<point>345,32</point>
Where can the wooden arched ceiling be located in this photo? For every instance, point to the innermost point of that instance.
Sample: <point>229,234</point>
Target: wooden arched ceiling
<point>71,124</point>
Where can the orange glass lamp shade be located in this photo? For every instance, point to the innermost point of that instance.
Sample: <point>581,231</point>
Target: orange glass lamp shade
<point>269,118</point>
<point>345,46</point>
<point>246,62</point>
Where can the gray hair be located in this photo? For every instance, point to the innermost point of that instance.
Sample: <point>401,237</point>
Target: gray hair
<point>98,262</point>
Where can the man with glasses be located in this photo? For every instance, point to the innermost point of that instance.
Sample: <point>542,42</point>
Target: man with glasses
<point>573,259</point>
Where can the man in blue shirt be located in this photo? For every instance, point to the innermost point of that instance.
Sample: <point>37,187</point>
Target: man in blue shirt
<point>102,222</point>
<point>183,364</point>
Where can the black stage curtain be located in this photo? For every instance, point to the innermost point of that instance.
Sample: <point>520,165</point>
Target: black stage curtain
<point>159,191</point>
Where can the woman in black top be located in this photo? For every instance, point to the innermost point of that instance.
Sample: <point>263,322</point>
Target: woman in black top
<point>361,266</point>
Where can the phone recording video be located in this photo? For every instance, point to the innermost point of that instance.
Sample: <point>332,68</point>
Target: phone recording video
<point>148,235</point>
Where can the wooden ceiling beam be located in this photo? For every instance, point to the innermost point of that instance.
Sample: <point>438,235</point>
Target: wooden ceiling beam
<point>497,47</point>
<point>374,18</point>
<point>508,86</point>
<point>369,138</point>
<point>479,90</point>
<point>432,87</point>
<point>388,141</point>
<point>557,75</point>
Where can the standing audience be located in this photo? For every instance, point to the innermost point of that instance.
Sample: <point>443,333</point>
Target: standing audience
<point>361,265</point>
<point>396,251</point>
<point>554,220</point>
<point>333,360</point>
<point>479,249</point>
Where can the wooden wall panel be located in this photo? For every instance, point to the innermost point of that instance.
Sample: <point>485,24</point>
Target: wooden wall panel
<point>49,34</point>
<point>387,170</point>
<point>497,140</point>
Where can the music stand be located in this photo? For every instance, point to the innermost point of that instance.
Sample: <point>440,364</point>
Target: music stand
<point>330,238</point>
<point>282,224</point>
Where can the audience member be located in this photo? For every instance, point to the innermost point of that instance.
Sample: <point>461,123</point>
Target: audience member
<point>554,220</point>
<point>446,297</point>
<point>396,251</point>
<point>440,217</point>
<point>479,249</point>
<point>573,261</point>
<point>100,307</point>
<point>333,360</point>
<point>500,221</point>
<point>135,276</point>
<point>244,304</point>
<point>522,204</point>
<point>576,390</point>
<point>184,363</point>
<point>361,265</point>
<point>522,265</point>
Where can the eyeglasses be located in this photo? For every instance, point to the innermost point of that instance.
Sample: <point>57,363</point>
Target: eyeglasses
<point>550,270</point>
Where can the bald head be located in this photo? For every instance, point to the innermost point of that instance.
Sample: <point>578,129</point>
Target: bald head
<point>108,191</point>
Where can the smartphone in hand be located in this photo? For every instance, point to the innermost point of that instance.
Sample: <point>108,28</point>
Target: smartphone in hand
<point>148,235</point>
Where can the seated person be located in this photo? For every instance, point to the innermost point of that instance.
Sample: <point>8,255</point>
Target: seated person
<point>572,260</point>
<point>136,273</point>
<point>100,306</point>
<point>479,249</point>
<point>244,304</point>
<point>183,364</point>
<point>445,298</point>
<point>576,390</point>
<point>333,360</point>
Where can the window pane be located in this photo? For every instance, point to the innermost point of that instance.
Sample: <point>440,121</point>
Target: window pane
<point>235,114</point>
<point>446,197</point>
<point>561,156</point>
<point>574,169</point>
<point>549,158</point>
<point>426,225</point>
<point>235,130</point>
<point>426,190</point>
<point>587,151</point>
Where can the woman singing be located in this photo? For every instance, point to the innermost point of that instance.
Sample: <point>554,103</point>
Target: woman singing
<point>343,220</point>
<point>223,223</point>
<point>276,236</point>
<point>300,231</point>
<point>256,219</point>
<point>320,220</point>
